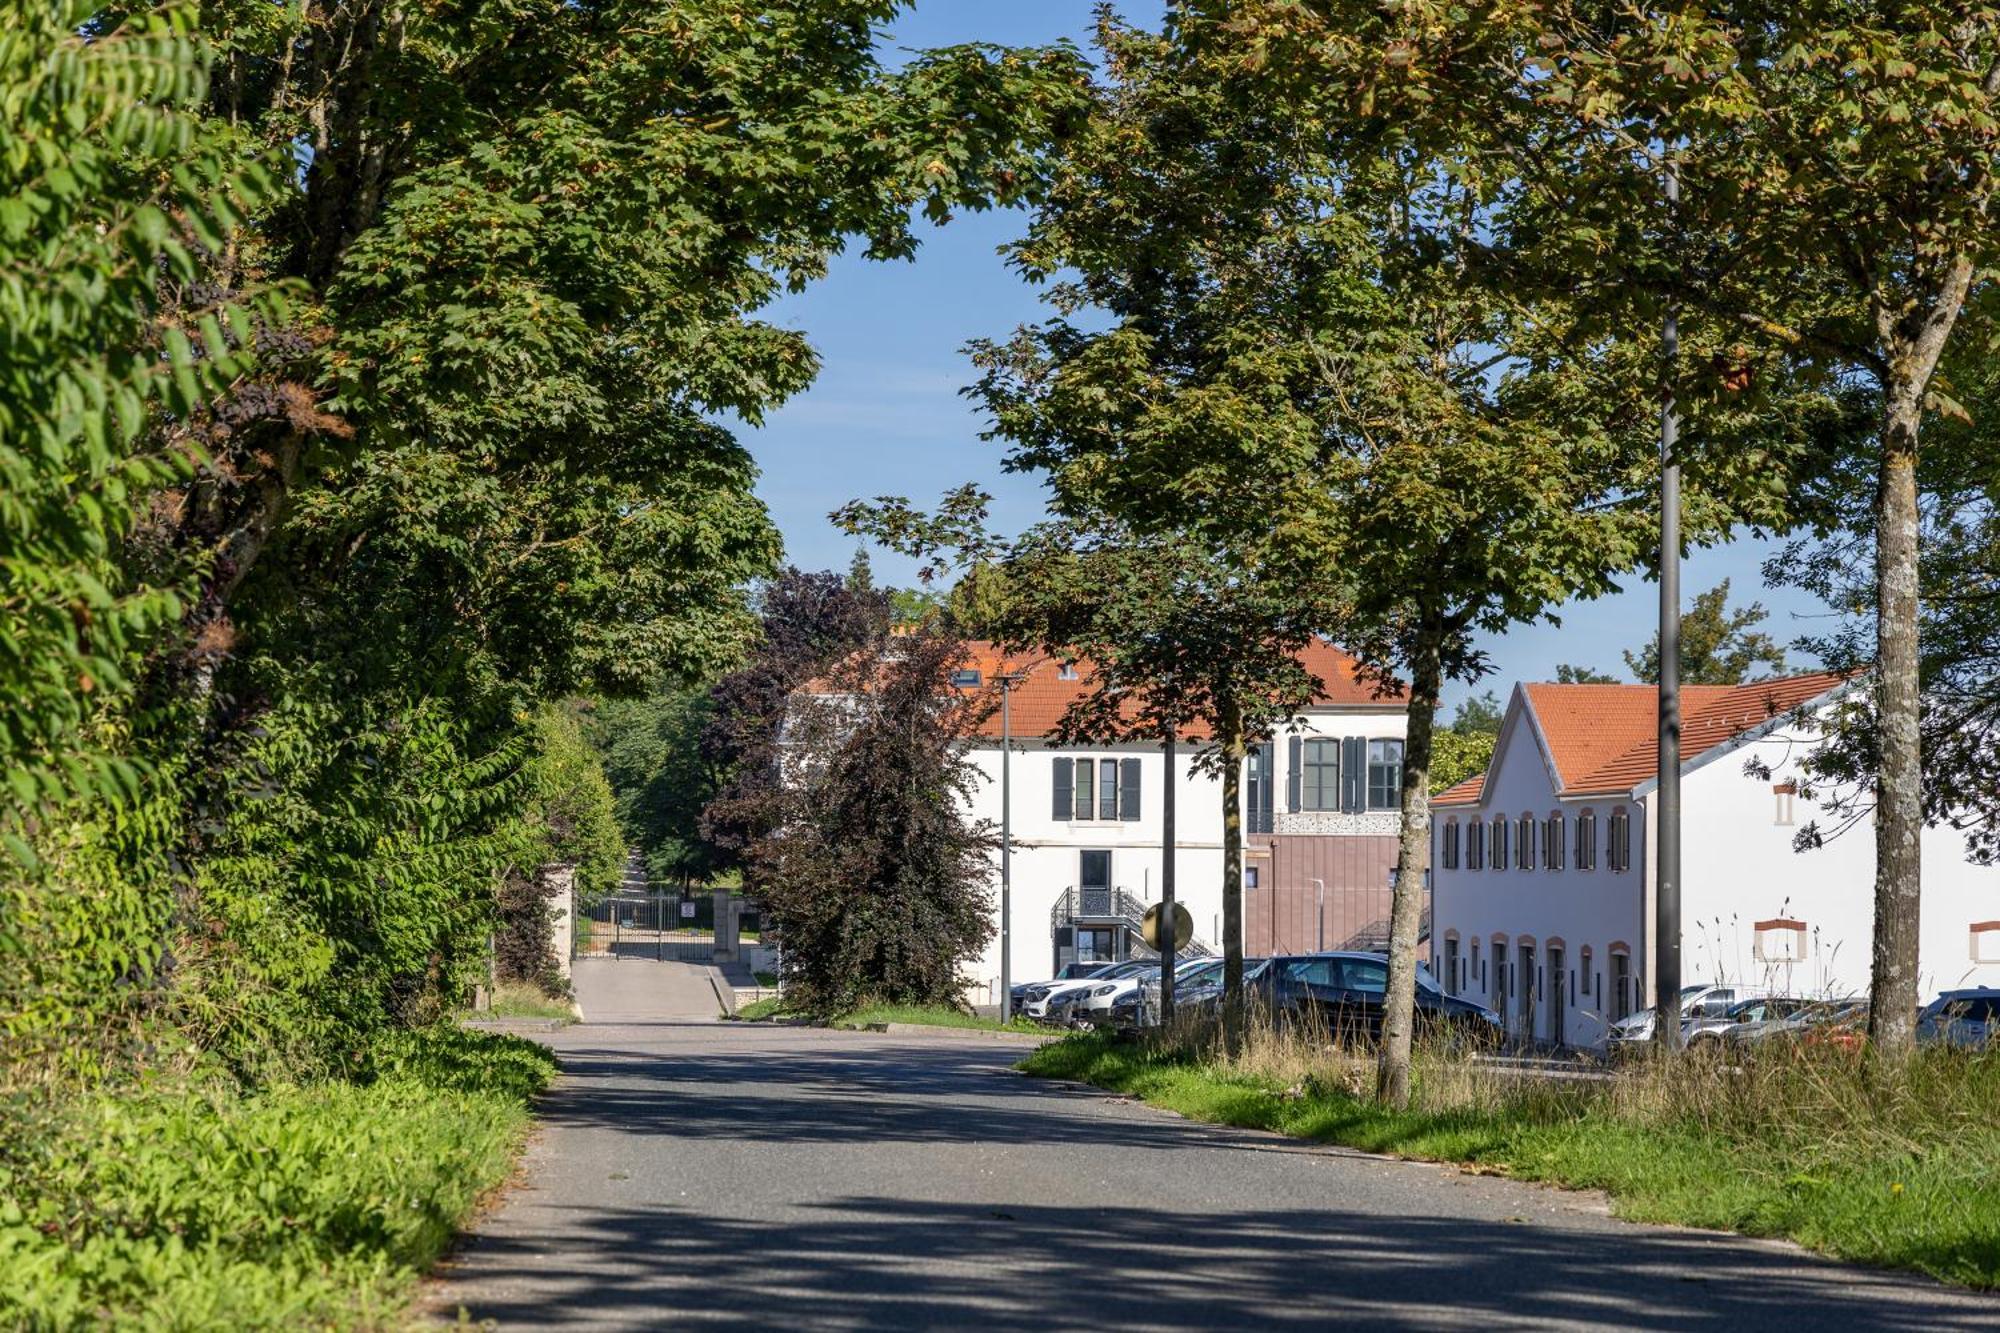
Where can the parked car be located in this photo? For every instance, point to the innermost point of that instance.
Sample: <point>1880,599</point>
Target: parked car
<point>1026,990</point>
<point>1744,1016</point>
<point>1344,991</point>
<point>1699,1002</point>
<point>1965,1018</point>
<point>1062,994</point>
<point>1846,1029</point>
<point>1136,1001</point>
<point>1789,1026</point>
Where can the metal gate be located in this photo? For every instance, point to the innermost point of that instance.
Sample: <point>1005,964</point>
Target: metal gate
<point>651,923</point>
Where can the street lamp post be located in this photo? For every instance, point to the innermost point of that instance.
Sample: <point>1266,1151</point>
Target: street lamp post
<point>1169,956</point>
<point>1006,849</point>
<point>1667,867</point>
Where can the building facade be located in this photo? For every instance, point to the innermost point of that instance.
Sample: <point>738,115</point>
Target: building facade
<point>1319,814</point>
<point>1544,884</point>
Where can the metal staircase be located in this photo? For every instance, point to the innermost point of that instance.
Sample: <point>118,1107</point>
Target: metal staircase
<point>1114,907</point>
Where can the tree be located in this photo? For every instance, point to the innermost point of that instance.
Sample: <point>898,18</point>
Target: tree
<point>113,196</point>
<point>661,777</point>
<point>1569,674</point>
<point>1300,370</point>
<point>809,624</point>
<point>1836,174</point>
<point>1478,715</point>
<point>1718,646</point>
<point>1457,755</point>
<point>873,878</point>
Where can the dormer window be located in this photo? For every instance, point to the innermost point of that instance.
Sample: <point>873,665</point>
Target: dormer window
<point>1066,671</point>
<point>966,678</point>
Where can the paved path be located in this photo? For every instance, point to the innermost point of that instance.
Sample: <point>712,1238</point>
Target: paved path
<point>774,1178</point>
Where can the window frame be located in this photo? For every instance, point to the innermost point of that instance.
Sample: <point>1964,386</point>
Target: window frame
<point>1500,832</point>
<point>1524,849</point>
<point>1448,837</point>
<point>1475,843</point>
<point>1586,839</point>
<point>1618,840</point>
<point>1393,798</point>
<point>1311,769</point>
<point>1555,839</point>
<point>1083,804</point>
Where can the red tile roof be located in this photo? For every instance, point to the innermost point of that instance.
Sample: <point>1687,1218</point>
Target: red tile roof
<point>1605,738</point>
<point>1042,696</point>
<point>1464,792</point>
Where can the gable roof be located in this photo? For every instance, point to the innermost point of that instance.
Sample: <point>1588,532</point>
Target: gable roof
<point>1604,739</point>
<point>1042,696</point>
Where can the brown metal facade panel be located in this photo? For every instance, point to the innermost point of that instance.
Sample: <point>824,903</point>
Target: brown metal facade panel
<point>1283,914</point>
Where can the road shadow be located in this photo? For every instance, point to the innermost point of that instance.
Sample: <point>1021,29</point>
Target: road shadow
<point>893,1263</point>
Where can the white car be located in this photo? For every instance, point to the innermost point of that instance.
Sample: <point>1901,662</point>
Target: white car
<point>1702,1005</point>
<point>1096,1003</point>
<point>1054,1001</point>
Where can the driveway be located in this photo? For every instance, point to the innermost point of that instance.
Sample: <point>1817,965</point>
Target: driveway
<point>696,1172</point>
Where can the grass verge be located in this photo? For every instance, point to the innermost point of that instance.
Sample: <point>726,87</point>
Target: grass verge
<point>1894,1169</point>
<point>312,1206</point>
<point>523,1000</point>
<point>927,1015</point>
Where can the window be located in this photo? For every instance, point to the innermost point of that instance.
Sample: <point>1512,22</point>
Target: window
<point>1525,847</point>
<point>1619,853</point>
<point>1066,671</point>
<point>1986,941</point>
<point>1553,829</point>
<point>1448,845</point>
<point>1779,940</point>
<point>1499,847</point>
<point>1364,974</point>
<point>1787,794</point>
<point>1319,775</point>
<point>1621,986</point>
<point>965,680</point>
<point>1586,841</point>
<point>1086,788</point>
<point>1311,971</point>
<point>1475,845</point>
<point>1385,775</point>
<point>1587,992</point>
<point>1451,964</point>
<point>1107,790</point>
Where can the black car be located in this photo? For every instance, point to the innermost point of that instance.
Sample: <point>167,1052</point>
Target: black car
<point>1343,994</point>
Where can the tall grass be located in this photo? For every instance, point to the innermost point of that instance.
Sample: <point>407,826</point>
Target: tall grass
<point>1896,1164</point>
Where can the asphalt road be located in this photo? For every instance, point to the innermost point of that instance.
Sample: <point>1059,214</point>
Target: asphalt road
<point>691,1172</point>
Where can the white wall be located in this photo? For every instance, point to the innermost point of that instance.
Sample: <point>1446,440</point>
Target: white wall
<point>1045,856</point>
<point>1579,909</point>
<point>1739,867</point>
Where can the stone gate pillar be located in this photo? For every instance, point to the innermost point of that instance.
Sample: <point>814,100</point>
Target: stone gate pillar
<point>725,926</point>
<point>559,883</point>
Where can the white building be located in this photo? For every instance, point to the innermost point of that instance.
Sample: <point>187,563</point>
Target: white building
<point>1320,819</point>
<point>1544,883</point>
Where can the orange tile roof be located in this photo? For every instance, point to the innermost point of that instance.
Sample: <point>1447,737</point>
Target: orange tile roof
<point>1605,738</point>
<point>1042,696</point>
<point>1464,792</point>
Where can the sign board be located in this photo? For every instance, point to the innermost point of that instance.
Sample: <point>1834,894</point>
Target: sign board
<point>687,910</point>
<point>1183,929</point>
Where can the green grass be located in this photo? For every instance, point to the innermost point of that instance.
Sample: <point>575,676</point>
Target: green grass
<point>768,980</point>
<point>293,1207</point>
<point>523,1000</point>
<point>932,1016</point>
<point>1896,1172</point>
<point>928,1015</point>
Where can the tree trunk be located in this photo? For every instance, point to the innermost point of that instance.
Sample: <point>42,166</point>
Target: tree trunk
<point>1230,733</point>
<point>1899,813</point>
<point>1413,859</point>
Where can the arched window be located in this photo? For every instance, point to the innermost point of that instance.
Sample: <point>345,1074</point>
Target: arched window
<point>1475,845</point>
<point>1619,851</point>
<point>1524,846</point>
<point>1553,829</point>
<point>1621,983</point>
<point>1478,977</point>
<point>1586,840</point>
<point>1448,845</point>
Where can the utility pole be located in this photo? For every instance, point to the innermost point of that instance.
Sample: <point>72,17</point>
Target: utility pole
<point>1007,680</point>
<point>1169,955</point>
<point>1667,856</point>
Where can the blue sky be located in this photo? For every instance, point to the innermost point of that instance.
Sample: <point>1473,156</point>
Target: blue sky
<point>886,416</point>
